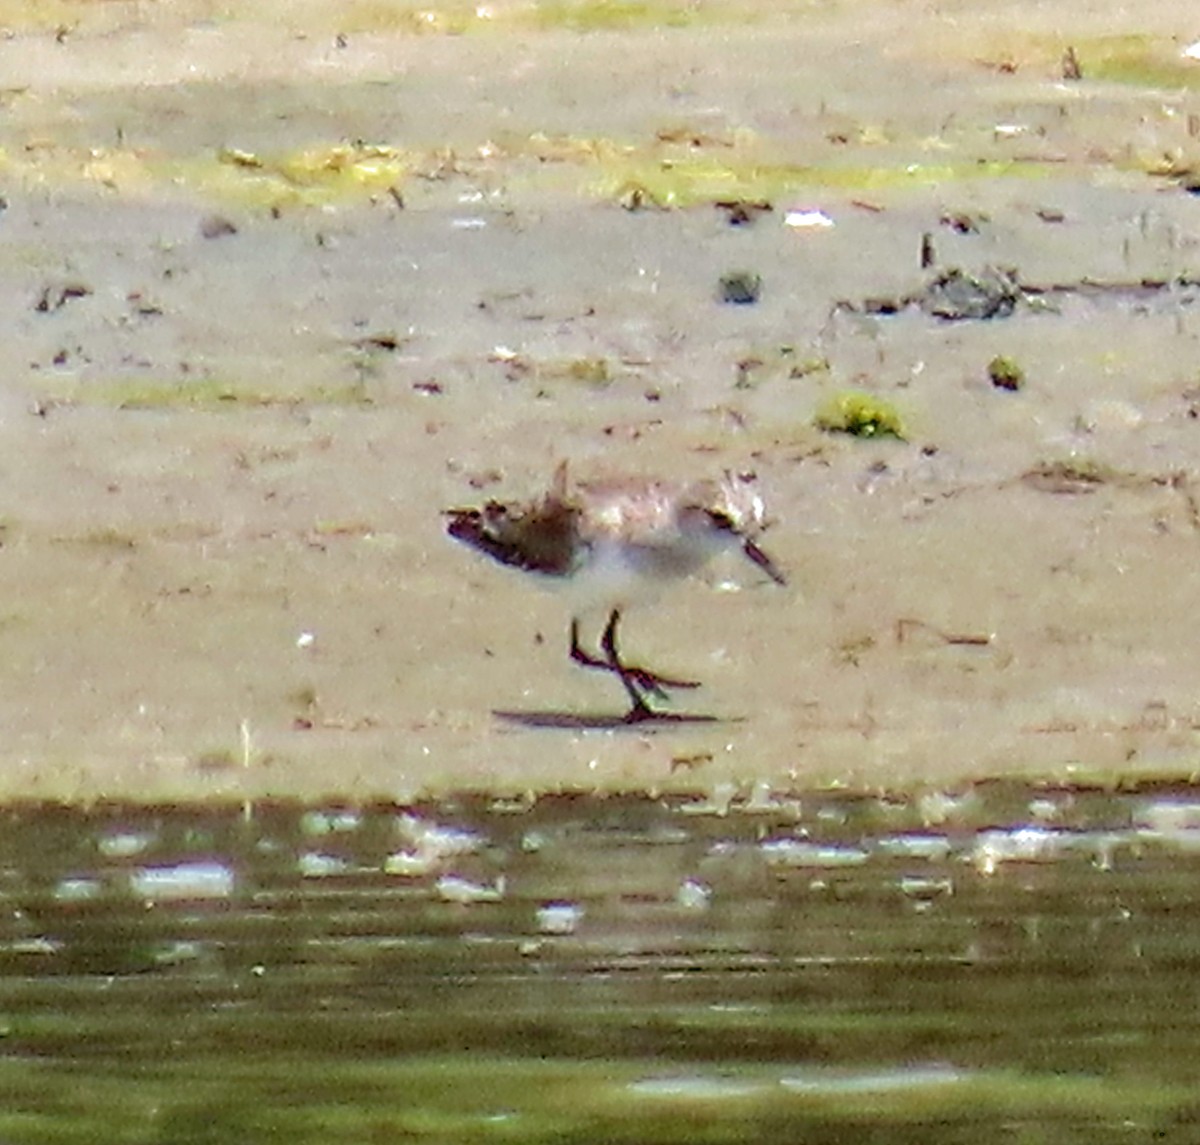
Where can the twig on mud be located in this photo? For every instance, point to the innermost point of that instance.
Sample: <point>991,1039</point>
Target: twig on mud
<point>908,626</point>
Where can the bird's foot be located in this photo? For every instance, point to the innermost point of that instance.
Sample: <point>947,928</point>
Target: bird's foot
<point>640,712</point>
<point>634,678</point>
<point>638,682</point>
<point>653,682</point>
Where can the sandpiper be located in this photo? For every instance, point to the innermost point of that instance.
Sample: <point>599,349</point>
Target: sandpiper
<point>618,538</point>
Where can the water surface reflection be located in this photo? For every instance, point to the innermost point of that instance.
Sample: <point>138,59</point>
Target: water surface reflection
<point>745,966</point>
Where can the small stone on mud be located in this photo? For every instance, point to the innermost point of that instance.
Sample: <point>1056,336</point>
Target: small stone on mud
<point>740,288</point>
<point>742,212</point>
<point>216,226</point>
<point>955,295</point>
<point>960,222</point>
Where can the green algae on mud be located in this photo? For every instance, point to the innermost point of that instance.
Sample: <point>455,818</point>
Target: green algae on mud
<point>197,394</point>
<point>858,414</point>
<point>1138,60</point>
<point>1005,373</point>
<point>329,173</point>
<point>689,182</point>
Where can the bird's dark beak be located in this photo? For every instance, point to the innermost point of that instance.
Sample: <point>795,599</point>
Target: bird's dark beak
<point>764,562</point>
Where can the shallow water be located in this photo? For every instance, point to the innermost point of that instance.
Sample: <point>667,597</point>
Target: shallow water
<point>1007,963</point>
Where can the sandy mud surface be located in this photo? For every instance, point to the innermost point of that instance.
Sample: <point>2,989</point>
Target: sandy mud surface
<point>282,285</point>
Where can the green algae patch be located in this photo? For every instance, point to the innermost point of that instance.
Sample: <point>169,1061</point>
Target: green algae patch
<point>207,394</point>
<point>357,164</point>
<point>588,373</point>
<point>102,537</point>
<point>1138,60</point>
<point>1005,373</point>
<point>410,19</point>
<point>860,415</point>
<point>591,372</point>
<point>678,167</point>
<point>775,363</point>
<point>614,15</point>
<point>415,19</point>
<point>580,16</point>
<point>321,174</point>
<point>316,176</point>
<point>690,180</point>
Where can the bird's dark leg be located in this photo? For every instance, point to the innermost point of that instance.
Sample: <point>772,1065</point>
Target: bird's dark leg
<point>611,662</point>
<point>638,682</point>
<point>581,656</point>
<point>646,680</point>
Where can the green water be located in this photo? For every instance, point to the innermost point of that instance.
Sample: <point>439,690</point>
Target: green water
<point>1017,967</point>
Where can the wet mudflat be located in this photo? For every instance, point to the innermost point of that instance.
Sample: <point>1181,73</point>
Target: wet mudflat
<point>287,282</point>
<point>1006,963</point>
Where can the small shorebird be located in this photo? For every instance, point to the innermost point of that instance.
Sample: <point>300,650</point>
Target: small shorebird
<point>617,538</point>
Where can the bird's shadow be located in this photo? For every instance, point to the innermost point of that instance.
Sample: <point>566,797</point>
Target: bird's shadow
<point>606,721</point>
